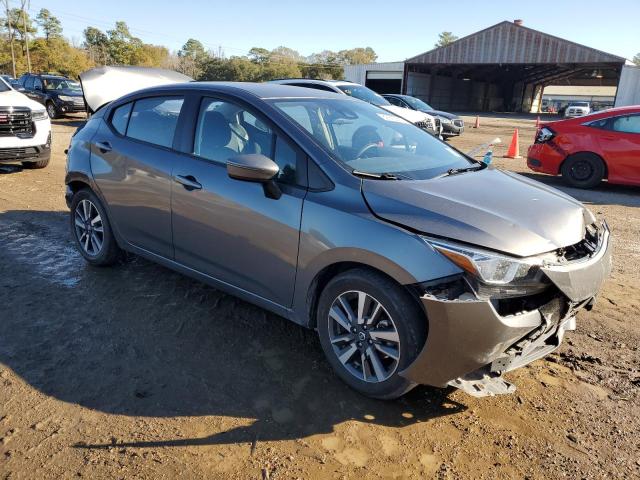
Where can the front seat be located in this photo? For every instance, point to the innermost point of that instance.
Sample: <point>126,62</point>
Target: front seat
<point>215,135</point>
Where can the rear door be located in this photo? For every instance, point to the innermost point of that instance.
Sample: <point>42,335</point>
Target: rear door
<point>620,144</point>
<point>132,159</point>
<point>229,229</point>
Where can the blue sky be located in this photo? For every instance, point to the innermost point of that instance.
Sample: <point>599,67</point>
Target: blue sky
<point>395,30</point>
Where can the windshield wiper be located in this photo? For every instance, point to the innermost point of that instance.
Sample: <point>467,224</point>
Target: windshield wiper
<point>473,168</point>
<point>380,176</point>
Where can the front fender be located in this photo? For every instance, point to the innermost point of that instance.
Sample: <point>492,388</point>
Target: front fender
<point>337,227</point>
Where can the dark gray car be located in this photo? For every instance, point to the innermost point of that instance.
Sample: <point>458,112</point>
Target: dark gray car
<point>414,263</point>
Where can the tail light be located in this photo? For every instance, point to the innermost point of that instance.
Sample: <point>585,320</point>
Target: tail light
<point>544,134</point>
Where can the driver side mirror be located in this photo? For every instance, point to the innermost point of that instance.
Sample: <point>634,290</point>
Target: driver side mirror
<point>256,168</point>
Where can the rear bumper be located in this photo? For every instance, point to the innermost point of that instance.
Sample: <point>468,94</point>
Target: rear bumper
<point>469,341</point>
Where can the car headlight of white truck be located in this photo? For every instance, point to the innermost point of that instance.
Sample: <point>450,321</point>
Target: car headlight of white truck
<point>37,115</point>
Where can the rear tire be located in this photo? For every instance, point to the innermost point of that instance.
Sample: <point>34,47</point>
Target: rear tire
<point>92,231</point>
<point>583,170</point>
<point>370,355</point>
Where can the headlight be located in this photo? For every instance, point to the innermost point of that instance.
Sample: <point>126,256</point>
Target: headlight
<point>445,121</point>
<point>492,275</point>
<point>38,115</point>
<point>65,98</point>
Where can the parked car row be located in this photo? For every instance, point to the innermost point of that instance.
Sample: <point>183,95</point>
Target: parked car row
<point>60,95</point>
<point>424,120</point>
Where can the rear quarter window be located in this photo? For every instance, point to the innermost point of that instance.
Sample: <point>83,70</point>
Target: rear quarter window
<point>120,118</point>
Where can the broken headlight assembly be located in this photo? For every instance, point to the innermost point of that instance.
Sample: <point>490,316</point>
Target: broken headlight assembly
<point>492,275</point>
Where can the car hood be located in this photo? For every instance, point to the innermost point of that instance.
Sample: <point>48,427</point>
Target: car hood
<point>69,93</point>
<point>13,98</point>
<point>442,114</point>
<point>412,116</point>
<point>490,208</point>
<point>105,84</point>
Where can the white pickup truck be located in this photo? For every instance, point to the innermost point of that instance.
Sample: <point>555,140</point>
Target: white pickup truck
<point>25,129</point>
<point>577,109</point>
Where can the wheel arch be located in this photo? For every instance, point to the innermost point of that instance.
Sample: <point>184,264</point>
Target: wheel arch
<point>326,274</point>
<point>587,152</point>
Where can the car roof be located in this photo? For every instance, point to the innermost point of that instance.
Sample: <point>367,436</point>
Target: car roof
<point>263,91</point>
<point>314,80</point>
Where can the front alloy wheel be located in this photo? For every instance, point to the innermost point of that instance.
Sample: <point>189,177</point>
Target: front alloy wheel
<point>88,227</point>
<point>370,329</point>
<point>364,337</point>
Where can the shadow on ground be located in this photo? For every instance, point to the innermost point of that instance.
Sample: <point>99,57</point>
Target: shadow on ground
<point>139,340</point>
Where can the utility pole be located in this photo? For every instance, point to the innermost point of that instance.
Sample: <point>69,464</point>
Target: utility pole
<point>26,33</point>
<point>13,53</point>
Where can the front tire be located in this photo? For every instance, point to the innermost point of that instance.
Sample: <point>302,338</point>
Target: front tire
<point>52,111</point>
<point>92,231</point>
<point>583,170</point>
<point>370,329</point>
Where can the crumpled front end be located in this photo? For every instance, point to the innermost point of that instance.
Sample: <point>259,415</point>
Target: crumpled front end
<point>472,341</point>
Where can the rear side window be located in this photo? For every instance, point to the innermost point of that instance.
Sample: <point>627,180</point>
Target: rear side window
<point>37,83</point>
<point>154,120</point>
<point>626,124</point>
<point>29,83</point>
<point>120,118</point>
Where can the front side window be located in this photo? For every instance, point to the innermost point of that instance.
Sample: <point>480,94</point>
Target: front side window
<point>154,120</point>
<point>368,139</point>
<point>225,130</point>
<point>626,124</point>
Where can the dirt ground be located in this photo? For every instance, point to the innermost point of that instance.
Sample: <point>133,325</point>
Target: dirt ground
<point>138,372</point>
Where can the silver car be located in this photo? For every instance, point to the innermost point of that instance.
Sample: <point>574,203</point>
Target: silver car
<point>414,263</point>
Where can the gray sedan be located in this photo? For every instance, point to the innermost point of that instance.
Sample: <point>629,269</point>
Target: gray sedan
<point>414,263</point>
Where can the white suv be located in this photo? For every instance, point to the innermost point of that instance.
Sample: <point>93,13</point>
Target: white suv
<point>25,129</point>
<point>420,119</point>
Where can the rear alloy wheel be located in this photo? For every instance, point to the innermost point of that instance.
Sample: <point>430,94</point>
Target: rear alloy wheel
<point>370,330</point>
<point>92,231</point>
<point>583,170</point>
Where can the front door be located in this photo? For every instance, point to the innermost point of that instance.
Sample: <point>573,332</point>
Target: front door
<point>621,148</point>
<point>131,160</point>
<point>229,229</point>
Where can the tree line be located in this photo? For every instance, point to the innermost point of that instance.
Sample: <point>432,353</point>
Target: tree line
<point>38,45</point>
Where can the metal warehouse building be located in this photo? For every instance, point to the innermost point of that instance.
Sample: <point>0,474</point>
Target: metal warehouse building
<point>502,68</point>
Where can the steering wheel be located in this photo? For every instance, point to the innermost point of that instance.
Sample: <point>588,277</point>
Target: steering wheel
<point>367,147</point>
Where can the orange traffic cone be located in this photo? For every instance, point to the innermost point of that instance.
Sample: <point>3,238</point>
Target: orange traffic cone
<point>477,125</point>
<point>514,147</point>
<point>538,122</point>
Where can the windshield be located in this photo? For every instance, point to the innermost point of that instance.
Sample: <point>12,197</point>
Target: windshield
<point>579,104</point>
<point>417,103</point>
<point>363,93</point>
<point>368,139</point>
<point>61,84</point>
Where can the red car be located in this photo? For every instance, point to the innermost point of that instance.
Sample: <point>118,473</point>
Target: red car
<point>585,150</point>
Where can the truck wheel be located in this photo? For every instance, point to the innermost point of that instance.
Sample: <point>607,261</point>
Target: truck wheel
<point>92,231</point>
<point>51,110</point>
<point>370,330</point>
<point>36,165</point>
<point>583,170</point>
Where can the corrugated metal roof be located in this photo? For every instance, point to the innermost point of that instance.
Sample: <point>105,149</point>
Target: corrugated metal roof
<point>507,42</point>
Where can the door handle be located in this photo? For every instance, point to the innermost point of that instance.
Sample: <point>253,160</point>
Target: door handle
<point>104,147</point>
<point>189,182</point>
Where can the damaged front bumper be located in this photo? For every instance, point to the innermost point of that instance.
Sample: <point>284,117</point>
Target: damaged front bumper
<point>470,344</point>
